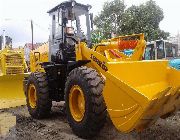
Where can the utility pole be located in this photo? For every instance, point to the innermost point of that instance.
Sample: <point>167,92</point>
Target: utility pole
<point>4,40</point>
<point>32,35</point>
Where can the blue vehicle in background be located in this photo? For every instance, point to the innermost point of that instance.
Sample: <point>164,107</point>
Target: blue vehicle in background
<point>128,52</point>
<point>162,49</point>
<point>175,63</point>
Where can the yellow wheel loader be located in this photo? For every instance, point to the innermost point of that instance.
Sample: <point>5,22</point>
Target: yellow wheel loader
<point>94,80</point>
<point>13,69</point>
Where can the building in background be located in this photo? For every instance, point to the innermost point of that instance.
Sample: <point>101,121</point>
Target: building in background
<point>27,49</point>
<point>176,41</point>
<point>8,41</point>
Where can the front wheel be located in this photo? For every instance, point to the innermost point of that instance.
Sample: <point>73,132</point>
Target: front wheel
<point>37,95</point>
<point>85,106</point>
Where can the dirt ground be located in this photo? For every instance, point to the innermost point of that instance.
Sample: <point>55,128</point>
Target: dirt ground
<point>20,126</point>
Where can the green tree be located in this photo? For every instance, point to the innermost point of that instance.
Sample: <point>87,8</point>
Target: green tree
<point>96,36</point>
<point>144,18</point>
<point>110,18</point>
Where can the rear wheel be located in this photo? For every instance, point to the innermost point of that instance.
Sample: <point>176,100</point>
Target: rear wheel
<point>85,106</point>
<point>37,96</point>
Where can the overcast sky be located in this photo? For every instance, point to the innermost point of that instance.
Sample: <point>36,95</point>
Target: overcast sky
<point>15,16</point>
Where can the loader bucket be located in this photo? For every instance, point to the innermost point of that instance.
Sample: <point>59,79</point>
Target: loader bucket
<point>11,91</point>
<point>137,93</point>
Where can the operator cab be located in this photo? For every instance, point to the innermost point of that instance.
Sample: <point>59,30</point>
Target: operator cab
<point>70,23</point>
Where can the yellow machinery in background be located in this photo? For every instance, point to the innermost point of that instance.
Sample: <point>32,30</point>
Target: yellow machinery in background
<point>94,80</point>
<point>38,55</point>
<point>12,72</point>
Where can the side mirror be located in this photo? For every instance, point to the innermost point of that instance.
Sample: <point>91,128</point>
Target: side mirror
<point>91,19</point>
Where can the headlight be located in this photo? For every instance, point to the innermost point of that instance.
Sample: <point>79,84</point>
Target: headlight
<point>70,30</point>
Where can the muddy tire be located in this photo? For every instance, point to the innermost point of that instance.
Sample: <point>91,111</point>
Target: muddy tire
<point>37,96</point>
<point>95,112</point>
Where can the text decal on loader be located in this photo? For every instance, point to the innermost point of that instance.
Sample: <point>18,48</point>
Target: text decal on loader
<point>101,64</point>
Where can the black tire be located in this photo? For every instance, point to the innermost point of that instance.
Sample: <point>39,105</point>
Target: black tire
<point>43,102</point>
<point>95,109</point>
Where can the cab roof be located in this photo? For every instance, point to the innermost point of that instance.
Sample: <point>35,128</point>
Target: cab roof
<point>68,4</point>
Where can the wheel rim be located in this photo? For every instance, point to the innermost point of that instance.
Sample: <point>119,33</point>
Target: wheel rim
<point>77,103</point>
<point>32,96</point>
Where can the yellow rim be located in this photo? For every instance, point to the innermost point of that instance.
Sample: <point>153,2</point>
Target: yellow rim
<point>32,96</point>
<point>77,103</point>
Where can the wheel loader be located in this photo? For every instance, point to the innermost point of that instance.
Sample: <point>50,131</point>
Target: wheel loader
<point>98,79</point>
<point>13,69</point>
